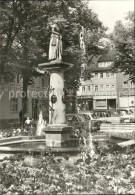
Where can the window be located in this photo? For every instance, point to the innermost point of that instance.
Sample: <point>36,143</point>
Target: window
<point>47,81</point>
<point>108,64</point>
<point>112,75</point>
<point>107,74</point>
<point>112,87</point>
<point>132,84</point>
<point>100,64</point>
<point>83,88</point>
<point>101,75</point>
<point>93,75</point>
<point>96,88</point>
<point>96,75</point>
<point>43,83</point>
<point>100,103</point>
<point>17,79</point>
<point>101,87</point>
<point>125,84</point>
<point>107,87</point>
<point>104,64</point>
<point>14,105</point>
<point>88,88</point>
<point>37,82</point>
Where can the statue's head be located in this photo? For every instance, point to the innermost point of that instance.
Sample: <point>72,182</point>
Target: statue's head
<point>55,27</point>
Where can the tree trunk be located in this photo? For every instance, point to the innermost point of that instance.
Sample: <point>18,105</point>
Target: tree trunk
<point>74,102</point>
<point>24,98</point>
<point>25,74</point>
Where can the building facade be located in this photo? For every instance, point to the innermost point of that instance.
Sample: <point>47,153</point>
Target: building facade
<point>105,89</point>
<point>11,99</point>
<point>125,91</point>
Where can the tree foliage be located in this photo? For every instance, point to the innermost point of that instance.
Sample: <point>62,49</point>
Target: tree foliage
<point>25,34</point>
<point>123,37</point>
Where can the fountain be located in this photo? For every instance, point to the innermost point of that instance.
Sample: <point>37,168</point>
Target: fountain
<point>57,132</point>
<point>40,124</point>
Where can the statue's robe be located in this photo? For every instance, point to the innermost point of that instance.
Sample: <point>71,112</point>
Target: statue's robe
<point>55,48</point>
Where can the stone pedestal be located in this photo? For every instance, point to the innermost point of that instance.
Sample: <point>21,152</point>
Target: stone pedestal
<point>57,135</point>
<point>57,132</point>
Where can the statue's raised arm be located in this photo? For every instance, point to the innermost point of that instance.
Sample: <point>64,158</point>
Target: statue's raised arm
<point>55,48</point>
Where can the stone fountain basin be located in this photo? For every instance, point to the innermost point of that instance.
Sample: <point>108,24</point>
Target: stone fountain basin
<point>32,144</point>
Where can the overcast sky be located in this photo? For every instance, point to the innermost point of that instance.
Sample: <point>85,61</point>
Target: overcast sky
<point>110,11</point>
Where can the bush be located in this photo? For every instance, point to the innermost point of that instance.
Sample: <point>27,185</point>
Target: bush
<point>22,131</point>
<point>108,172</point>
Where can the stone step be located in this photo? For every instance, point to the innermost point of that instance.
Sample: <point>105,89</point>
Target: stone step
<point>118,124</point>
<point>118,127</point>
<point>21,141</point>
<point>130,134</point>
<point>113,127</point>
<point>119,131</point>
<point>126,143</point>
<point>124,131</point>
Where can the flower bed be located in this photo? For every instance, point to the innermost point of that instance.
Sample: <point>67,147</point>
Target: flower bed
<point>22,131</point>
<point>111,171</point>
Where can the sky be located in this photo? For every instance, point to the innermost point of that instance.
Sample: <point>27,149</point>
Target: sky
<point>110,11</point>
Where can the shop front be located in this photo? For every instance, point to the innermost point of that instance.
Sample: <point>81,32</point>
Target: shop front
<point>106,103</point>
<point>85,103</point>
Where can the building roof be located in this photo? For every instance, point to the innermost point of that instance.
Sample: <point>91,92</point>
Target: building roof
<point>107,57</point>
<point>93,63</point>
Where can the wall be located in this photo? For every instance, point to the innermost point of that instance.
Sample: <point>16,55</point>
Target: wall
<point>126,96</point>
<point>5,107</point>
<point>14,90</point>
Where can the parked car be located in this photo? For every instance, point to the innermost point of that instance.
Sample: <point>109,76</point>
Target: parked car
<point>129,110</point>
<point>94,122</point>
<point>108,116</point>
<point>115,115</point>
<point>126,115</point>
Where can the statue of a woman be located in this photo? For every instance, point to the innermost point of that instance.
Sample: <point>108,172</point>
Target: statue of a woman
<point>55,48</point>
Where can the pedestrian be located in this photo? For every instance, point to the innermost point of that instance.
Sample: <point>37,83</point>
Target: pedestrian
<point>28,124</point>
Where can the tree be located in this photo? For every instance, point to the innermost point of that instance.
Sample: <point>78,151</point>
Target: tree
<point>123,37</point>
<point>19,45</point>
<point>25,30</point>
